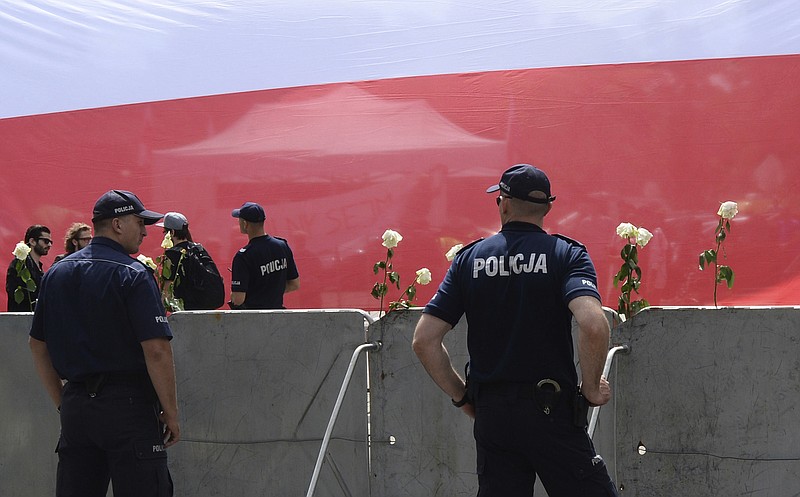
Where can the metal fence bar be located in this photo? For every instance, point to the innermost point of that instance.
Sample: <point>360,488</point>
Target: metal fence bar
<point>606,369</point>
<point>329,430</point>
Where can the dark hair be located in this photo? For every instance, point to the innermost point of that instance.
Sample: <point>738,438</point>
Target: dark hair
<point>183,234</point>
<point>72,234</point>
<point>35,231</point>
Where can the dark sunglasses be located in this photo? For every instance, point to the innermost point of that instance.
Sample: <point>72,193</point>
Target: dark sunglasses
<point>47,241</point>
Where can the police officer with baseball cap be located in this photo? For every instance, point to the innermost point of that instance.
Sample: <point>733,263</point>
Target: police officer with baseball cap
<point>520,290</point>
<point>263,270</point>
<point>100,326</point>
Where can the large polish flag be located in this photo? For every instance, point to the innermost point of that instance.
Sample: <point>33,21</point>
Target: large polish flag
<point>346,118</point>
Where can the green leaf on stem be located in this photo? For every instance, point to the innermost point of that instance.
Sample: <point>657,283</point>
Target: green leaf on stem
<point>19,295</point>
<point>398,304</point>
<point>725,273</point>
<point>166,269</point>
<point>394,277</point>
<point>638,305</point>
<point>623,273</point>
<point>707,257</point>
<point>379,290</point>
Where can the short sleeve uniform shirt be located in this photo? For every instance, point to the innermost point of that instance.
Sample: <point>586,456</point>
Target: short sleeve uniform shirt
<point>515,288</point>
<point>95,308</point>
<point>261,269</point>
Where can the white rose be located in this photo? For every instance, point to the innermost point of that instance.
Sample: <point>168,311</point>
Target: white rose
<point>423,276</point>
<point>728,209</point>
<point>451,254</point>
<point>626,230</point>
<point>643,236</point>
<point>391,238</point>
<point>147,261</point>
<point>21,251</point>
<point>167,242</point>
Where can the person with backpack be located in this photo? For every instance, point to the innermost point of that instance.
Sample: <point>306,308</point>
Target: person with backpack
<point>197,281</point>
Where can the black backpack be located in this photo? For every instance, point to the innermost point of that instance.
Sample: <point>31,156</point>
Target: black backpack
<point>199,282</point>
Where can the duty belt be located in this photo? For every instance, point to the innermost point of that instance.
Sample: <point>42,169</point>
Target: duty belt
<point>546,394</point>
<point>94,383</point>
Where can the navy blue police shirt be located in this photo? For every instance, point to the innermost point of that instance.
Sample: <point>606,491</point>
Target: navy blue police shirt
<point>95,308</point>
<point>515,288</point>
<point>261,269</point>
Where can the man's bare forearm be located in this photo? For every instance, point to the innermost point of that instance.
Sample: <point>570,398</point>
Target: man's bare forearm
<point>161,368</point>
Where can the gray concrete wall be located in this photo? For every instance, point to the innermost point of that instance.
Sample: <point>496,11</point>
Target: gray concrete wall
<point>422,445</point>
<point>29,423</point>
<point>711,393</point>
<point>255,389</point>
<point>714,396</point>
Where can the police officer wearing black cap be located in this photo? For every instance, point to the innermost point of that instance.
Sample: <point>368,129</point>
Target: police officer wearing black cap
<point>100,325</point>
<point>264,269</point>
<point>520,290</point>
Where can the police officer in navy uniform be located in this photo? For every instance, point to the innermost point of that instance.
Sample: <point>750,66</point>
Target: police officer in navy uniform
<point>520,290</point>
<point>264,269</point>
<point>100,325</point>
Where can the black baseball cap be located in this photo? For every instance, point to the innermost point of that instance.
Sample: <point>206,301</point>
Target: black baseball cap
<point>250,212</point>
<point>118,203</point>
<point>521,181</point>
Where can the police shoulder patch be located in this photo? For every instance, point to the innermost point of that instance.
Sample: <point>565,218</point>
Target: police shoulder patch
<point>569,240</point>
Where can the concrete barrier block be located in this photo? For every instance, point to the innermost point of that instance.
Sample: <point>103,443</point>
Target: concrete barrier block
<point>711,394</point>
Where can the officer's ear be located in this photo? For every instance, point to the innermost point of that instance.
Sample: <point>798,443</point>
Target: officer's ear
<point>116,225</point>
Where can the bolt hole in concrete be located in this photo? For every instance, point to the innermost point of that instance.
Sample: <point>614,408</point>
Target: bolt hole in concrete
<point>642,449</point>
